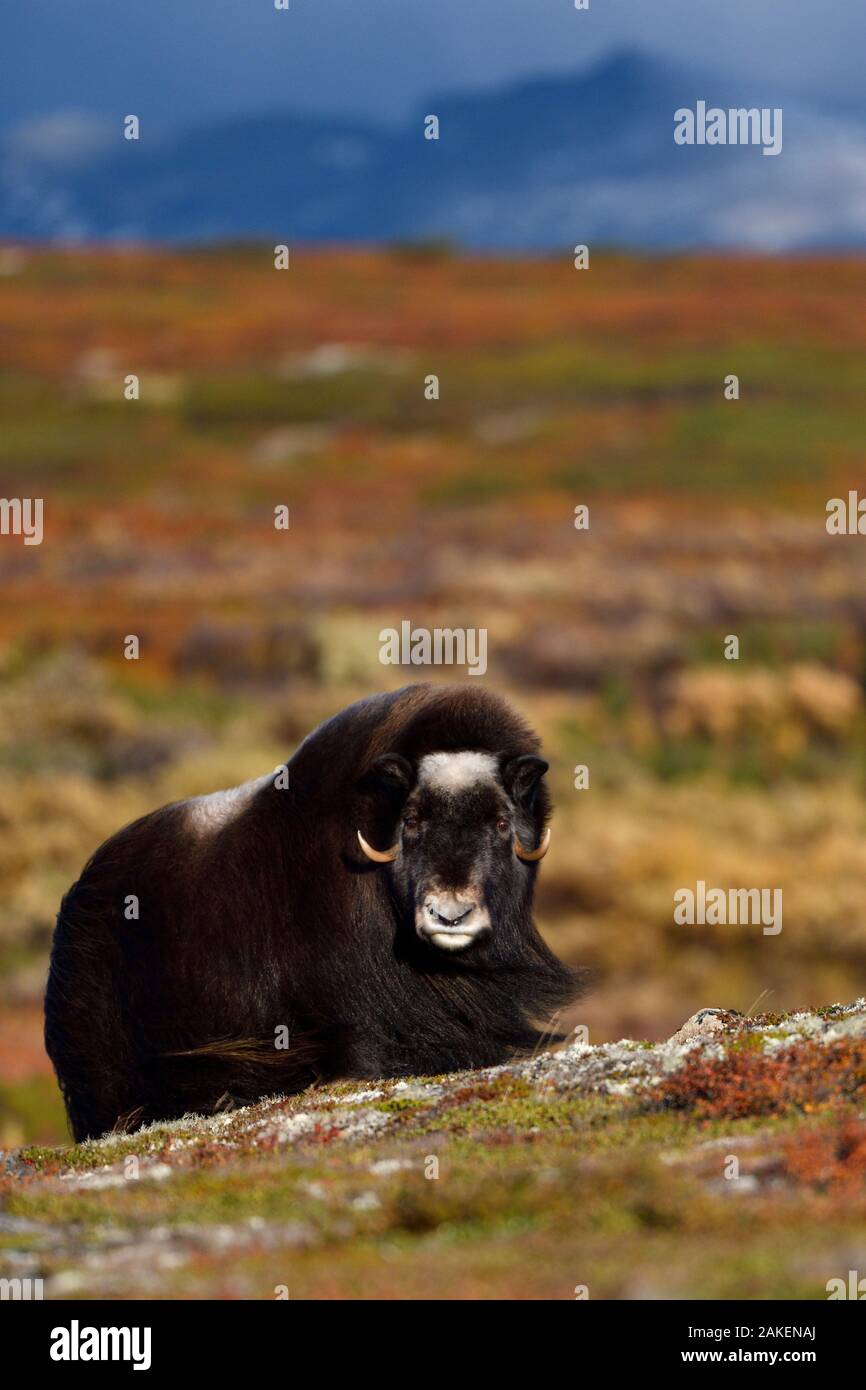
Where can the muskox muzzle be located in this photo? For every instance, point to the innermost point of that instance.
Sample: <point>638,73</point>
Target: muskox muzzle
<point>451,921</point>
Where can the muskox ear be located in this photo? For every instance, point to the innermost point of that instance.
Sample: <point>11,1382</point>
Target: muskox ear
<point>393,773</point>
<point>521,777</point>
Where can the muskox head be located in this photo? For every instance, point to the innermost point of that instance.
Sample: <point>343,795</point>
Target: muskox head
<point>468,831</point>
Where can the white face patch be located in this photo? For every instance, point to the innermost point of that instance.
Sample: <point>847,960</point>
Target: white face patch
<point>454,772</point>
<point>205,815</point>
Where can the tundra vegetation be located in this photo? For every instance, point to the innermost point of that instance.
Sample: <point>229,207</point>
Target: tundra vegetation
<point>707,517</point>
<point>727,1162</point>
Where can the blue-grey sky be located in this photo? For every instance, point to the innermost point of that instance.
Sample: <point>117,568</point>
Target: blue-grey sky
<point>190,60</point>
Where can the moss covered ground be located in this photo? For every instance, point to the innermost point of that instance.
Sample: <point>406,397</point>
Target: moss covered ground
<point>729,1162</point>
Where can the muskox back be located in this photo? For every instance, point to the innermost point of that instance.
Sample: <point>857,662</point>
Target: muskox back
<point>203,938</point>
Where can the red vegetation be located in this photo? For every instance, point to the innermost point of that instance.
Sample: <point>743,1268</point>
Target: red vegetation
<point>831,1159</point>
<point>804,1076</point>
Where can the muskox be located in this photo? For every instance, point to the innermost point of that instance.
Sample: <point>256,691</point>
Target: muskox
<point>368,915</point>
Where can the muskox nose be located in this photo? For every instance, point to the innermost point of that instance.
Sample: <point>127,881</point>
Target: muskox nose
<point>449,911</point>
<point>451,921</point>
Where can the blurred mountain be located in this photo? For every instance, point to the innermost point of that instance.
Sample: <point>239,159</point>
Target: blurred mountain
<point>534,166</point>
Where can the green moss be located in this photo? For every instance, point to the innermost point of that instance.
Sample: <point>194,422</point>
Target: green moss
<point>399,1105</point>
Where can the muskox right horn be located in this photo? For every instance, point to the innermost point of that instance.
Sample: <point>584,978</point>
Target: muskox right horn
<point>378,856</point>
<point>531,856</point>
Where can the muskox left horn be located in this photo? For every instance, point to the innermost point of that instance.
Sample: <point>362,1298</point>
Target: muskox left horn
<point>378,856</point>
<point>530,855</point>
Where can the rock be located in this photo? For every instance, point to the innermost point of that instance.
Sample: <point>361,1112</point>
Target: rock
<point>854,1027</point>
<point>707,1023</point>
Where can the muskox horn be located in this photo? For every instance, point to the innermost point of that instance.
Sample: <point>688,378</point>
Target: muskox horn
<point>532,854</point>
<point>378,856</point>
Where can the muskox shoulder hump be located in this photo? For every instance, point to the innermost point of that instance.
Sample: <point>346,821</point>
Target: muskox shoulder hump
<point>207,815</point>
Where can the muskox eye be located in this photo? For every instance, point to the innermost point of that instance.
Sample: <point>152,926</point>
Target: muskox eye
<point>503,825</point>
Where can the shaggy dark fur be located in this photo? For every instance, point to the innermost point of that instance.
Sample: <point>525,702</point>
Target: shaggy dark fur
<point>277,918</point>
